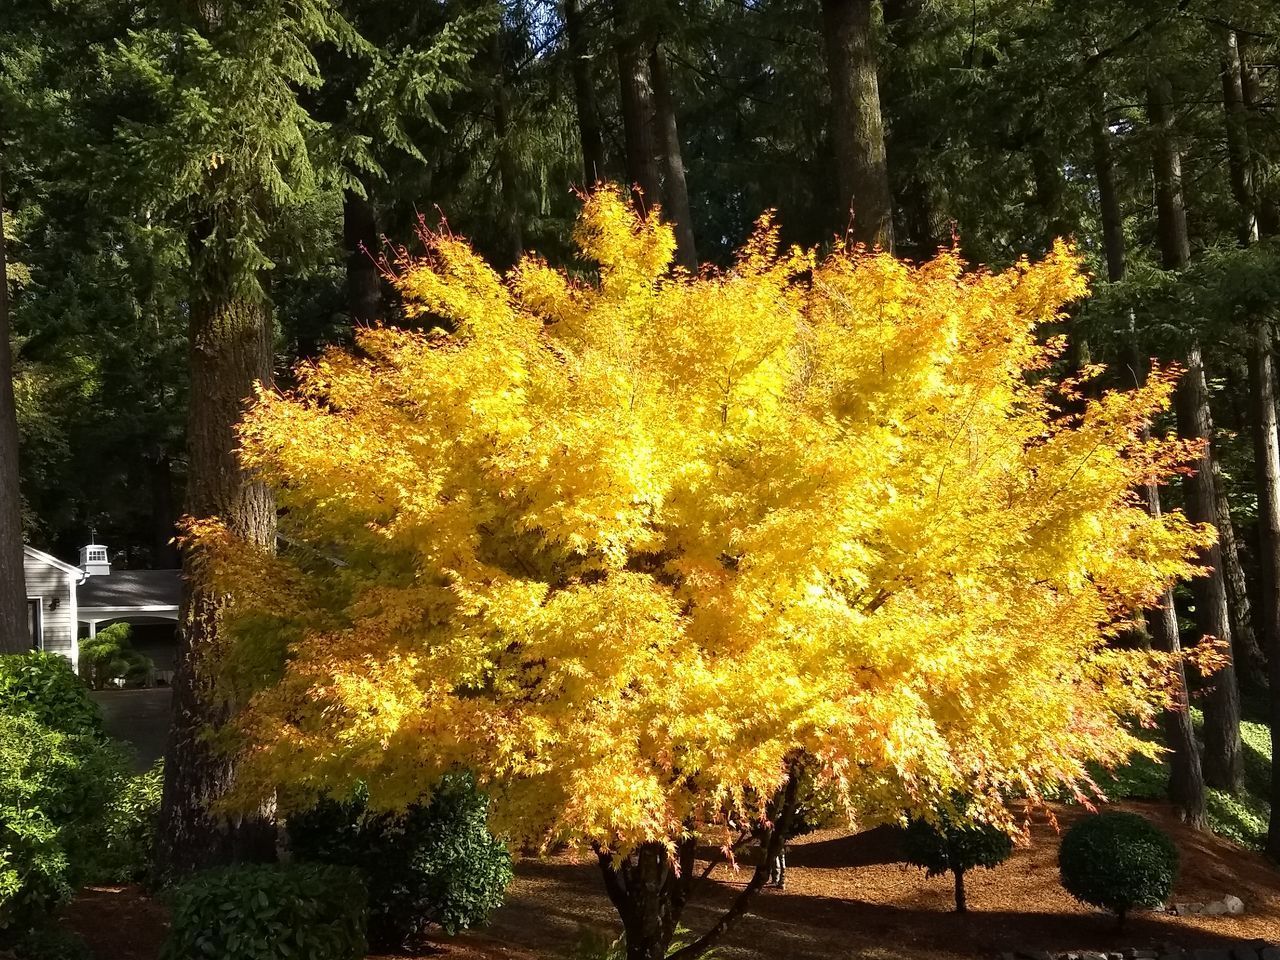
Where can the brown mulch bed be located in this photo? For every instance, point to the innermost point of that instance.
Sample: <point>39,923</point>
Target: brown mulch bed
<point>846,895</point>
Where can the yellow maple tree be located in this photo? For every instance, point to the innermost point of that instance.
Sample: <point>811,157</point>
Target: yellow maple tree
<point>637,547</point>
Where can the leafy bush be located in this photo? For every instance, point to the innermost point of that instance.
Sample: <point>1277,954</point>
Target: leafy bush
<point>949,843</point>
<point>51,943</point>
<point>43,686</point>
<point>1118,861</point>
<point>109,656</point>
<point>268,913</point>
<point>436,863</point>
<point>128,842</point>
<point>52,814</point>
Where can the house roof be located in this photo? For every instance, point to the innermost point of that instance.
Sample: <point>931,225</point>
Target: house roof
<point>132,588</point>
<point>42,557</point>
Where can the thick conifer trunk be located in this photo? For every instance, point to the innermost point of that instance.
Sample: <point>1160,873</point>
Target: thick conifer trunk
<point>1186,780</point>
<point>13,589</point>
<point>1223,759</point>
<point>231,342</point>
<point>675,191</point>
<point>360,237</point>
<point>864,202</point>
<point>638,110</point>
<point>1266,448</point>
<point>584,94</point>
<point>512,245</point>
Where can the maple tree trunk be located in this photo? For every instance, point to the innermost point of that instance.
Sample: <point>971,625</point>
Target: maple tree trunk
<point>962,905</point>
<point>1266,448</point>
<point>231,342</point>
<point>865,202</point>
<point>14,637</point>
<point>360,237</point>
<point>1186,779</point>
<point>636,92</point>
<point>675,190</point>
<point>584,95</point>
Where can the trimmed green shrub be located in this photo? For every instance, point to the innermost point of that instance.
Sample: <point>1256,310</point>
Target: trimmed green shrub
<point>268,913</point>
<point>109,655</point>
<point>436,863</point>
<point>54,793</point>
<point>948,844</point>
<point>1118,861</point>
<point>43,686</point>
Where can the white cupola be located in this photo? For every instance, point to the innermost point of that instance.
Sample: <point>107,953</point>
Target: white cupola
<point>94,560</point>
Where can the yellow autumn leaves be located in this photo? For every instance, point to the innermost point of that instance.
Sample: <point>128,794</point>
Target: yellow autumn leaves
<point>625,545</point>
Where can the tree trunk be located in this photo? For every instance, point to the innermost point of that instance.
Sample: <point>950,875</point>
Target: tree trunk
<point>508,163</point>
<point>962,905</point>
<point>230,352</point>
<point>1266,449</point>
<point>360,237</point>
<point>1238,161</point>
<point>675,191</point>
<point>1186,780</point>
<point>14,637</point>
<point>1267,204</point>
<point>865,203</point>
<point>584,93</point>
<point>1246,655</point>
<point>1223,759</point>
<point>636,93</point>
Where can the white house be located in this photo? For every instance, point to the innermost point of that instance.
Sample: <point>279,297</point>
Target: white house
<point>64,600</point>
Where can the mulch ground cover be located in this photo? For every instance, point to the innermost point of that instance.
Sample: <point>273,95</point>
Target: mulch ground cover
<point>847,895</point>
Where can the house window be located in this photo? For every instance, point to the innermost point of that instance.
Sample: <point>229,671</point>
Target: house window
<point>35,624</point>
<point>97,555</point>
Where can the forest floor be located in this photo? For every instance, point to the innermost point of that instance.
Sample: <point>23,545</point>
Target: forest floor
<point>846,896</point>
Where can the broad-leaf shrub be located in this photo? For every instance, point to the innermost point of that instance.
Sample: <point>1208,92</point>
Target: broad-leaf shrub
<point>310,911</point>
<point>109,655</point>
<point>44,686</point>
<point>129,834</point>
<point>54,789</point>
<point>1118,861</point>
<point>950,843</point>
<point>436,863</point>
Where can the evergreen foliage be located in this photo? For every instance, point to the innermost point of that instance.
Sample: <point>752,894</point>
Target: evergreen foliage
<point>1118,861</point>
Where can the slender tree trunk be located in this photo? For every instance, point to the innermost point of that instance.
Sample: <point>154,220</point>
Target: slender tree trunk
<point>1223,757</point>
<point>230,352</point>
<point>638,110</point>
<point>1186,780</point>
<point>584,93</point>
<point>1238,160</point>
<point>508,162</point>
<point>1266,449</point>
<point>962,905</point>
<point>360,237</point>
<point>1267,204</point>
<point>14,637</point>
<point>675,190</point>
<point>1246,654</point>
<point>865,202</point>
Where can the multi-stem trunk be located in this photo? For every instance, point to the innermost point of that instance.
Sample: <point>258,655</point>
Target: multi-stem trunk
<point>650,890</point>
<point>584,95</point>
<point>675,191</point>
<point>1223,759</point>
<point>13,591</point>
<point>1266,455</point>
<point>865,203</point>
<point>230,353</point>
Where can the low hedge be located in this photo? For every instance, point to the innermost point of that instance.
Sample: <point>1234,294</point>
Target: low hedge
<point>291,912</point>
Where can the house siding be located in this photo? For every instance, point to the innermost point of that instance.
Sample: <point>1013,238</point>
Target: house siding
<point>49,582</point>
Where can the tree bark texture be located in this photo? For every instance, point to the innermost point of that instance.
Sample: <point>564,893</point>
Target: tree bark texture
<point>508,162</point>
<point>864,201</point>
<point>14,637</point>
<point>1266,448</point>
<point>230,352</point>
<point>675,191</point>
<point>584,94</point>
<point>638,127</point>
<point>1239,163</point>
<point>360,237</point>
<point>1223,758</point>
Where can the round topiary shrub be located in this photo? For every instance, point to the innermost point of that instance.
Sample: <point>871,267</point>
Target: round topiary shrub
<point>436,863</point>
<point>44,687</point>
<point>1118,861</point>
<point>268,913</point>
<point>945,844</point>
